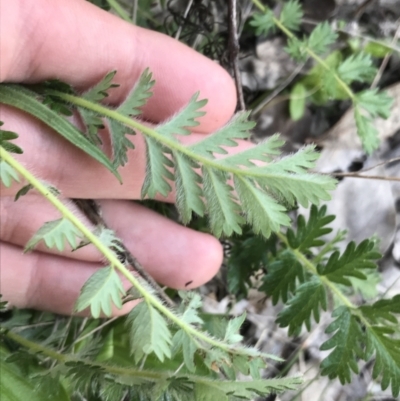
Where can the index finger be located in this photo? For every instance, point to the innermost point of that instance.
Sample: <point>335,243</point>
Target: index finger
<point>78,43</point>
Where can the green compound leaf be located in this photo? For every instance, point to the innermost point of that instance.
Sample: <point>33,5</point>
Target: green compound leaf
<point>282,277</point>
<point>7,174</point>
<point>291,15</point>
<point>321,38</point>
<point>309,298</point>
<point>100,291</point>
<point>357,67</point>
<point>351,263</point>
<point>54,234</point>
<point>346,343</point>
<point>149,333</point>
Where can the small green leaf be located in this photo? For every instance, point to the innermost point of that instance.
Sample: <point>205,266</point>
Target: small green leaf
<point>149,332</point>
<point>100,91</point>
<point>185,119</point>
<point>377,104</point>
<point>366,130</point>
<point>223,209</point>
<point>346,343</point>
<point>232,335</point>
<point>357,67</point>
<point>387,357</point>
<point>6,137</point>
<point>23,191</point>
<point>182,340</point>
<point>291,15</point>
<point>99,292</point>
<point>282,277</point>
<point>351,263</point>
<point>54,234</point>
<point>139,95</point>
<point>297,102</point>
<point>7,174</point>
<point>321,38</point>
<point>263,22</point>
<point>157,173</point>
<point>309,299</point>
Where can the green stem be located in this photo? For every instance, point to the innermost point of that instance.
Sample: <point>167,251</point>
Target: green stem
<point>112,369</point>
<point>112,258</point>
<point>169,142</point>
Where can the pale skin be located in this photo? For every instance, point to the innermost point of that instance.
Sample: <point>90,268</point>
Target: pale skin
<point>78,43</point>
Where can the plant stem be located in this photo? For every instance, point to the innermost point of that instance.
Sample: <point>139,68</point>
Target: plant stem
<point>318,59</point>
<point>114,261</point>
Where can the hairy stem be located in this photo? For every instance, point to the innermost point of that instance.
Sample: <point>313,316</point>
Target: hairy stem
<point>116,263</point>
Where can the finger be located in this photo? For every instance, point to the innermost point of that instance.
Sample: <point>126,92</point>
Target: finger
<point>41,281</point>
<point>174,255</point>
<point>79,43</point>
<point>49,282</point>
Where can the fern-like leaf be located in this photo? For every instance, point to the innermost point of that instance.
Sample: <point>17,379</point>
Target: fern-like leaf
<point>357,67</point>
<point>351,263</point>
<point>223,207</point>
<point>346,343</point>
<point>282,277</point>
<point>321,38</point>
<point>99,290</point>
<point>291,15</point>
<point>309,299</point>
<point>387,356</point>
<point>309,233</point>
<point>149,332</point>
<point>54,234</point>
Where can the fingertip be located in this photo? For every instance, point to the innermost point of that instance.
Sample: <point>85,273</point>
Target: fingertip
<point>205,263</point>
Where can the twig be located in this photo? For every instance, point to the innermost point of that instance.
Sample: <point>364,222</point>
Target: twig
<point>92,211</point>
<point>385,60</point>
<point>234,51</point>
<point>179,31</point>
<point>358,174</point>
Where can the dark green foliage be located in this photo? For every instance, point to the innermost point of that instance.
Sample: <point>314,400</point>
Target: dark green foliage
<point>351,263</point>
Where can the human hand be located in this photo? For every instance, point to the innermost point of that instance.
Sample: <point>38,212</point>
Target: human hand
<point>78,43</point>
